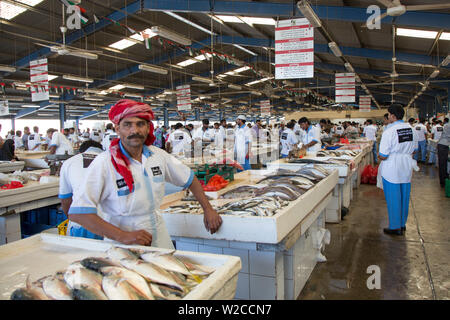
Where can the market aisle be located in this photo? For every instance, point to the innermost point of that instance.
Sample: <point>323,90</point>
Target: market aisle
<point>415,266</point>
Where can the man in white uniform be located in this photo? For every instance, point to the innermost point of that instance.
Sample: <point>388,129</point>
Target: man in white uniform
<point>288,139</point>
<point>219,136</point>
<point>421,131</point>
<point>370,132</point>
<point>73,172</point>
<point>178,139</point>
<point>204,133</point>
<point>34,139</point>
<point>397,146</point>
<point>59,144</point>
<point>127,184</point>
<point>242,143</point>
<point>18,143</point>
<point>311,138</point>
<point>109,136</point>
<point>339,130</point>
<point>73,137</point>
<point>436,133</point>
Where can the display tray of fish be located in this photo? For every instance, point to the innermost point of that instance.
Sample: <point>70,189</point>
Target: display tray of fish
<point>337,153</point>
<point>125,274</point>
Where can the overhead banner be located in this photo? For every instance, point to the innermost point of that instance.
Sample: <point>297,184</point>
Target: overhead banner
<point>265,108</point>
<point>365,103</point>
<point>294,49</point>
<point>4,108</point>
<point>39,80</point>
<point>184,97</point>
<point>345,87</point>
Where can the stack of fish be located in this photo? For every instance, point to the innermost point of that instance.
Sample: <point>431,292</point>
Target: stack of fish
<point>337,153</point>
<point>263,206</point>
<point>124,275</point>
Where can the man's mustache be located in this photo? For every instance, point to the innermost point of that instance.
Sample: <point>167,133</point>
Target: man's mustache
<point>136,136</point>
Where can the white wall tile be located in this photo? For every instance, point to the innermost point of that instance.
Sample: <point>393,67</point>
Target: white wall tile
<point>243,245</point>
<point>185,246</point>
<point>210,249</point>
<point>262,263</point>
<point>241,253</point>
<point>262,288</point>
<point>216,243</point>
<point>243,286</point>
<point>191,240</point>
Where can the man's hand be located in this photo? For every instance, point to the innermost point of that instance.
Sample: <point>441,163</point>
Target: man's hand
<point>212,221</point>
<point>140,237</point>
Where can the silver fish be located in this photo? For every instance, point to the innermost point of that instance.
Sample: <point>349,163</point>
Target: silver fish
<point>118,253</point>
<point>88,293</point>
<point>117,288</point>
<point>136,280</point>
<point>166,261</point>
<point>76,277</point>
<point>55,288</point>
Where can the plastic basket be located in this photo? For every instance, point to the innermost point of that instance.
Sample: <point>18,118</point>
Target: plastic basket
<point>62,227</point>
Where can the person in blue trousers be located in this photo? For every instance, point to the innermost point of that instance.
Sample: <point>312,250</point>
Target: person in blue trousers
<point>397,146</point>
<point>421,131</point>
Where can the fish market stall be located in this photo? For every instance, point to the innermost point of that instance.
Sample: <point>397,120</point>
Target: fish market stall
<point>39,190</point>
<point>33,159</point>
<point>343,192</point>
<point>279,249</point>
<point>61,267</point>
<point>10,166</point>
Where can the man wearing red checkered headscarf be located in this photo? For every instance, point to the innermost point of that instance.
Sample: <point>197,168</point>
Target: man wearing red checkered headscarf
<point>127,183</point>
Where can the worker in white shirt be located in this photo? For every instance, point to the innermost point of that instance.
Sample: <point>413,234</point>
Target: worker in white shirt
<point>18,143</point>
<point>109,136</point>
<point>219,136</point>
<point>72,174</point>
<point>311,139</point>
<point>299,132</point>
<point>96,135</point>
<point>178,140</point>
<point>204,133</point>
<point>242,143</point>
<point>34,139</point>
<point>73,137</point>
<point>59,144</point>
<point>442,151</point>
<point>339,130</point>
<point>436,133</point>
<point>288,140</point>
<point>370,132</point>
<point>421,131</point>
<point>397,146</point>
<point>127,183</point>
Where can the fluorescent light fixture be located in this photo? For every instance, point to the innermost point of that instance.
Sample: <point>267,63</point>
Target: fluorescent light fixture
<point>309,13</point>
<point>244,49</point>
<point>445,36</point>
<point>233,19</point>
<point>133,86</point>
<point>51,77</point>
<point>80,54</point>
<point>7,68</point>
<point>169,91</point>
<point>414,33</point>
<point>93,99</point>
<point>76,78</point>
<point>258,81</point>
<point>335,49</point>
<point>8,10</point>
<point>446,61</point>
<point>202,79</point>
<point>171,35</point>
<point>275,96</point>
<point>122,44</point>
<point>257,20</point>
<point>132,95</point>
<point>435,73</point>
<point>256,93</point>
<point>174,15</point>
<point>289,99</point>
<point>150,68</point>
<point>117,87</point>
<point>239,70</point>
<point>194,60</point>
<point>349,67</point>
<point>233,86</point>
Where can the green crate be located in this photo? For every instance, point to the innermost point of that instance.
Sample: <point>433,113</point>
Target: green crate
<point>206,172</point>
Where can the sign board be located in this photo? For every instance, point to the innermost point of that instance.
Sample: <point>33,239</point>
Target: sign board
<point>184,97</point>
<point>265,108</point>
<point>345,87</point>
<point>365,103</point>
<point>39,80</point>
<point>4,108</point>
<point>294,49</point>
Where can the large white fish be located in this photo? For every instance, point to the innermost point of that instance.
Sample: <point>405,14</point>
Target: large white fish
<point>117,288</point>
<point>88,293</point>
<point>55,288</point>
<point>166,261</point>
<point>77,276</point>
<point>151,272</point>
<point>133,278</point>
<point>118,253</point>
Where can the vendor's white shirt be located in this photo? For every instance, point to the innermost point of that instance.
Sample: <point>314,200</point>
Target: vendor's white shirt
<point>108,137</point>
<point>34,139</point>
<point>229,134</point>
<point>437,131</point>
<point>74,138</point>
<point>178,139</point>
<point>72,174</point>
<point>96,136</point>
<point>18,143</point>
<point>288,139</point>
<point>421,131</point>
<point>312,134</point>
<point>105,189</point>
<point>370,132</point>
<point>242,137</point>
<point>339,130</point>
<point>398,143</point>
<point>62,143</point>
<point>207,135</point>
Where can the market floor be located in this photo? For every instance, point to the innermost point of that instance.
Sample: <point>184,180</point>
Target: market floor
<point>414,266</point>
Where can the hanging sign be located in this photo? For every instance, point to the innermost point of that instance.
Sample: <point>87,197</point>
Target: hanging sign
<point>39,80</point>
<point>294,49</point>
<point>345,87</point>
<point>184,97</point>
<point>364,103</point>
<point>4,108</point>
<point>265,108</point>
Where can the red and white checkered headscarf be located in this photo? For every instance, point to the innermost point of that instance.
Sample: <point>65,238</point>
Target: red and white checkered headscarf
<point>125,109</point>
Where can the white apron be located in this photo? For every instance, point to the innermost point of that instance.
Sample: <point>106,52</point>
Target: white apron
<point>397,168</point>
